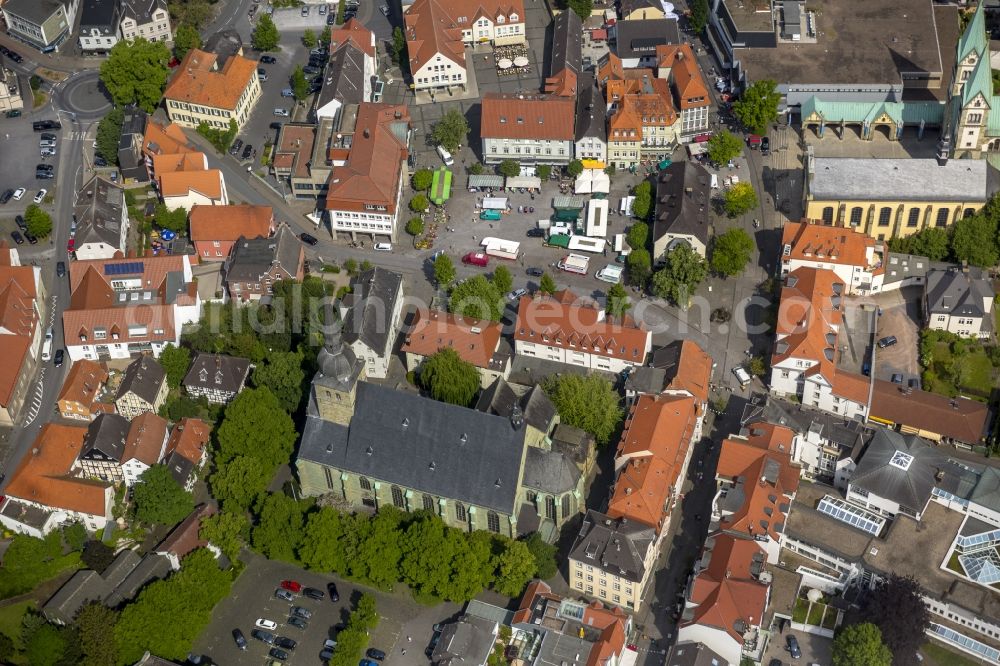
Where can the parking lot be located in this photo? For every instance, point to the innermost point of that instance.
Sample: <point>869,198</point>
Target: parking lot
<point>900,317</point>
<point>253,597</point>
<point>815,649</point>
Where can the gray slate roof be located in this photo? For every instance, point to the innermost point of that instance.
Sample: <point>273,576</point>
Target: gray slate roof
<point>376,292</point>
<point>344,76</point>
<point>402,438</point>
<point>98,212</point>
<point>615,545</point>
<point>567,43</point>
<point>82,588</point>
<point>469,640</point>
<point>143,377</point>
<point>151,567</point>
<point>35,11</point>
<point>591,118</point>
<point>105,438</point>
<point>224,44</point>
<point>687,653</point>
<point>901,267</point>
<point>501,397</point>
<point>956,293</point>
<point>638,39</point>
<point>141,11</point>
<point>179,466</point>
<point>217,371</point>
<point>846,434</point>
<point>683,193</point>
<point>549,471</point>
<point>910,487</point>
<point>99,14</point>
<point>872,179</point>
<point>253,257</point>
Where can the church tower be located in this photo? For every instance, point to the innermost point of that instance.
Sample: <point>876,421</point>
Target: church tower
<point>971,95</point>
<point>335,386</point>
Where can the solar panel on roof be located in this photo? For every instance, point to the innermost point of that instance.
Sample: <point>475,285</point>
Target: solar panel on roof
<point>127,268</point>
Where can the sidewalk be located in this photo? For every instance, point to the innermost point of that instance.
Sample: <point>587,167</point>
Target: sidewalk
<point>56,61</point>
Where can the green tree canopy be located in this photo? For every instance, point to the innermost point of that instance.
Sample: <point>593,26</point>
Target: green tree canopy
<point>574,168</point>
<point>256,425</point>
<point>724,146</point>
<point>543,171</point>
<point>227,531</point>
<point>896,607</point>
<point>515,568</point>
<point>680,277</point>
<point>239,482</point>
<point>932,242</point>
<point>544,554</point>
<point>309,38</point>
<point>279,527</point>
<point>444,270</point>
<point>97,555</point>
<point>476,298</point>
<point>739,199</point>
<point>419,203</point>
<point>283,376</point>
<point>95,626</point>
<point>75,536</point>
<point>299,83</point>
<point>422,179</point>
<point>699,15</point>
<point>186,38</point>
<point>449,378</point>
<point>757,107</point>
<point>618,301</point>
<point>587,402</point>
<point>39,222</point>
<point>265,34</point>
<point>974,239</point>
<point>637,235</point>
<point>439,562</point>
<point>109,132</point>
<point>509,168</point>
<point>583,8</point>
<point>639,267</point>
<point>398,45</point>
<point>643,204</point>
<point>451,131</point>
<point>159,499</point>
<point>321,547</point>
<point>547,285</point>
<point>175,361</point>
<point>502,279</point>
<point>174,220</point>
<point>731,252</point>
<point>136,72</point>
<point>860,645</point>
<point>414,226</point>
<point>46,645</point>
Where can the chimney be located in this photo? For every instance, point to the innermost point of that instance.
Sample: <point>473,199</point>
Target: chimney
<point>367,133</point>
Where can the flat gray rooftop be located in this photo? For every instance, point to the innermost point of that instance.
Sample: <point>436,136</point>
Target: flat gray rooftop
<point>859,42</point>
<point>874,179</point>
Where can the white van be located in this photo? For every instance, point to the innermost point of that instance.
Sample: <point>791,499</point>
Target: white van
<point>445,156</point>
<point>383,247</point>
<point>47,345</point>
<point>611,273</point>
<point>715,181</point>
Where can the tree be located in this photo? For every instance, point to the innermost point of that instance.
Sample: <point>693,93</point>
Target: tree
<point>724,146</point>
<point>97,555</point>
<point>757,366</point>
<point>299,83</point>
<point>256,425</point>
<point>476,298</point>
<point>583,8</point>
<point>860,645</point>
<point>398,45</point>
<point>309,38</point>
<point>279,528</point>
<point>239,482</point>
<point>422,179</point>
<point>639,266</point>
<point>574,168</point>
<point>680,277</point>
<point>637,235</point>
<point>896,607</point>
<point>757,107</point>
<point>731,252</point>
<point>643,204</point>
<point>321,548</point>
<point>449,378</point>
<point>39,222</point>
<point>227,531</point>
<point>419,203</point>
<point>739,199</point>
<point>932,242</point>
<point>136,72</point>
<point>175,361</point>
<point>618,302</point>
<point>699,15</point>
<point>543,171</point>
<point>283,376</point>
<point>544,554</point>
<point>186,38</point>
<point>414,226</point>
<point>587,402</point>
<point>451,130</point>
<point>45,646</point>
<point>95,626</point>
<point>974,239</point>
<point>444,270</point>
<point>7,649</point>
<point>109,132</point>
<point>324,35</point>
<point>75,536</point>
<point>265,35</point>
<point>159,499</point>
<point>174,220</point>
<point>476,169</point>
<point>547,285</point>
<point>509,169</point>
<point>515,567</point>
<point>502,279</point>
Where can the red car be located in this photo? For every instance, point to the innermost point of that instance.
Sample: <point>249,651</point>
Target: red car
<point>476,259</point>
<point>291,585</point>
<point>71,245</point>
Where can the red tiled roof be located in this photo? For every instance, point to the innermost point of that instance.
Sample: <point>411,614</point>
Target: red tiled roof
<point>430,31</point>
<point>18,321</point>
<point>165,163</point>
<point>684,74</point>
<point>44,474</point>
<point>473,340</point>
<point>166,139</point>
<point>208,183</point>
<point>563,320</point>
<point>521,116</point>
<point>154,272</point>
<point>79,325</point>
<point>189,438</point>
<point>374,165</point>
<point>354,31</point>
<point>229,223</point>
<point>828,244</point>
<point>726,593</point>
<point>198,82</point>
<point>83,382</point>
<point>694,371</point>
<point>185,537</point>
<point>146,436</point>
<point>563,84</point>
<point>955,418</point>
<point>809,318</point>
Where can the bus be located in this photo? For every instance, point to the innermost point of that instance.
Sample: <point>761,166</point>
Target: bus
<point>575,263</point>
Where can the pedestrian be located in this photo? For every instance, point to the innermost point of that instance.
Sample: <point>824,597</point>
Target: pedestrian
<point>404,652</point>
<point>408,639</point>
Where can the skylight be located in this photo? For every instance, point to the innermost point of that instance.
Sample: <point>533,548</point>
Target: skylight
<point>901,460</point>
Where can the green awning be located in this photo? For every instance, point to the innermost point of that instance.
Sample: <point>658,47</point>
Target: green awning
<point>566,215</point>
<point>441,186</point>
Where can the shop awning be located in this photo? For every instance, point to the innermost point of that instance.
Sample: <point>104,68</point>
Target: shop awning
<point>533,182</point>
<point>488,180</point>
<point>441,186</point>
<point>574,203</point>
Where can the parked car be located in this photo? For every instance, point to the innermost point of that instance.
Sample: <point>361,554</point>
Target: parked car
<point>235,148</point>
<point>100,161</point>
<point>58,358</point>
<point>286,643</point>
<point>536,233</point>
<point>281,112</point>
<point>71,245</point>
<point>887,341</point>
<point>297,622</point>
<point>18,238</point>
<point>40,197</point>
<point>43,125</point>
<point>262,74</point>
<point>14,113</point>
<point>376,654</point>
<point>287,92</point>
<point>332,18</point>
<point>331,589</point>
<point>367,662</point>
<point>241,641</point>
<point>291,585</point>
<point>61,269</point>
<point>313,593</point>
<point>304,613</point>
<point>21,224</point>
<point>309,239</point>
<point>325,654</point>
<point>280,655</point>
<point>793,647</point>
<point>516,294</point>
<point>284,594</point>
<point>383,247</point>
<point>6,196</point>
<point>247,151</point>
<point>18,193</point>
<point>30,238</point>
<point>311,69</point>
<point>535,272</point>
<point>322,10</point>
<point>47,136</point>
<point>263,636</point>
<point>480,259</point>
<point>268,60</point>
<point>263,623</point>
<point>765,145</point>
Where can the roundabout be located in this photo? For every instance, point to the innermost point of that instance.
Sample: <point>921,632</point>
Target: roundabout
<point>82,95</point>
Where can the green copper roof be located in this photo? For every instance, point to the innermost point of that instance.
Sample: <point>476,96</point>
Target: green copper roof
<point>980,83</point>
<point>974,37</point>
<point>908,113</point>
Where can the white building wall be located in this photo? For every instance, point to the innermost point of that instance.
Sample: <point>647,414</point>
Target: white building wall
<point>533,151</point>
<point>717,639</point>
<point>575,357</point>
<point>591,148</point>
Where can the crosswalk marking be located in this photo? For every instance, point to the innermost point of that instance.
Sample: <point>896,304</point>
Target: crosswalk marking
<point>76,136</point>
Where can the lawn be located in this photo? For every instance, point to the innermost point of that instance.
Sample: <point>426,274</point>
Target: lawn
<point>816,614</point>
<point>10,620</point>
<point>937,655</point>
<point>973,366</point>
<point>801,610</point>
<point>15,583</point>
